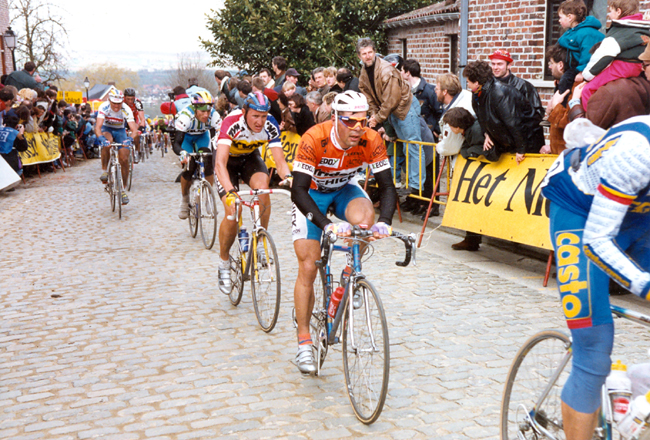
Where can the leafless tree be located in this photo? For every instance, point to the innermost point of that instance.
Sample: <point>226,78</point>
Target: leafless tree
<point>41,36</point>
<point>192,66</point>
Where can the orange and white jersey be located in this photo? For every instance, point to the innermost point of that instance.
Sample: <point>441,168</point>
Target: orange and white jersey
<point>329,165</point>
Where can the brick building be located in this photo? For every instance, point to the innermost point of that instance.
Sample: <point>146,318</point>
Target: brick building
<point>432,35</point>
<point>7,62</point>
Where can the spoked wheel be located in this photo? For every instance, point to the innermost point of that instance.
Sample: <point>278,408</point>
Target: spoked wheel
<point>110,185</point>
<point>118,189</point>
<point>208,215</point>
<point>265,281</point>
<point>237,269</point>
<point>366,353</point>
<point>523,408</point>
<point>193,217</point>
<point>318,319</point>
<point>130,172</point>
<point>162,148</point>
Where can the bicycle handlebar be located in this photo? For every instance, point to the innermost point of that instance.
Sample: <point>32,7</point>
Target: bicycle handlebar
<point>256,192</point>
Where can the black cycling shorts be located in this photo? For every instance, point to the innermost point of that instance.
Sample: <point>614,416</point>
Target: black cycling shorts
<point>191,166</point>
<point>243,167</point>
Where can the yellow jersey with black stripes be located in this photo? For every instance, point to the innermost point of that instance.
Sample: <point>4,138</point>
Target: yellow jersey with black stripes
<point>241,140</point>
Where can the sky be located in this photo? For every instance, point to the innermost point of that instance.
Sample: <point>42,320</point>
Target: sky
<point>136,34</point>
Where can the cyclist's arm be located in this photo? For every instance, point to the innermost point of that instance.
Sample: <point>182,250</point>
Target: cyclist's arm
<point>280,162</point>
<point>98,126</point>
<point>387,196</point>
<point>134,129</point>
<point>303,201</point>
<point>178,142</point>
<point>221,166</point>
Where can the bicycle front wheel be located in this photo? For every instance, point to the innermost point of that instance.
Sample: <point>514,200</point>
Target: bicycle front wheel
<point>193,217</point>
<point>111,187</point>
<point>366,353</point>
<point>542,362</point>
<point>265,281</point>
<point>318,319</point>
<point>237,268</point>
<point>130,171</point>
<point>208,215</point>
<point>119,188</point>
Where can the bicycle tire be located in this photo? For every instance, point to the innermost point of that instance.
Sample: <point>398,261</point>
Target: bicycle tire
<point>193,217</point>
<point>111,186</point>
<point>534,365</point>
<point>130,171</point>
<point>318,319</point>
<point>266,282</point>
<point>208,214</point>
<point>162,148</point>
<point>119,188</point>
<point>367,391</point>
<point>236,273</point>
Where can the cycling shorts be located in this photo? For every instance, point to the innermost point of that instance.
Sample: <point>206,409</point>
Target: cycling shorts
<point>191,167</point>
<point>194,142</point>
<point>243,167</point>
<point>303,228</point>
<point>119,134</point>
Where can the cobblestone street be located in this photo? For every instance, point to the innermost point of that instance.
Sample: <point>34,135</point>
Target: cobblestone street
<point>115,329</point>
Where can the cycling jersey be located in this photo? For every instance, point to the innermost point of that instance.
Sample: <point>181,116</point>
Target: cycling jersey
<point>135,108</point>
<point>608,182</point>
<point>115,119</point>
<point>186,121</point>
<point>241,140</point>
<point>330,166</point>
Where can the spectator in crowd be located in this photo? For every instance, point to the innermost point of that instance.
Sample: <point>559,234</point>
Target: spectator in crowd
<point>314,101</point>
<point>330,79</point>
<point>346,80</point>
<point>320,84</point>
<point>267,76</point>
<point>390,98</point>
<point>258,86</point>
<point>616,101</point>
<point>6,99</point>
<point>222,78</point>
<point>24,79</point>
<point>287,123</point>
<point>39,112</point>
<point>69,130</point>
<point>558,113</point>
<point>279,65</point>
<point>617,55</point>
<point>288,89</point>
<point>325,111</point>
<point>500,61</point>
<point>301,115</point>
<point>450,95</point>
<point>243,89</point>
<point>292,77</point>
<point>582,32</point>
<point>505,115</point>
<point>12,141</point>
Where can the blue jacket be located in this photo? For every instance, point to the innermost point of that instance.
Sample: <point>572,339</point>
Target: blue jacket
<point>580,39</point>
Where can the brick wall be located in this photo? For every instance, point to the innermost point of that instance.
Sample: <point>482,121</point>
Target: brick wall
<point>4,24</point>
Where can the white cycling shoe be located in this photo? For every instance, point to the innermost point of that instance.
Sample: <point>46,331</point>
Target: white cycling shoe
<point>305,360</point>
<point>225,283</point>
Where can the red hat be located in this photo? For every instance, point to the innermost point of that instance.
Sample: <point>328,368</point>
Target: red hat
<point>501,54</point>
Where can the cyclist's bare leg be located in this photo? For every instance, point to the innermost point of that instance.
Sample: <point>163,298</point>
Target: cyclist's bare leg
<point>261,181</point>
<point>210,179</point>
<point>360,212</point>
<point>227,230</point>
<point>123,156</point>
<point>106,151</point>
<point>185,186</point>
<point>308,252</point>
<point>577,425</point>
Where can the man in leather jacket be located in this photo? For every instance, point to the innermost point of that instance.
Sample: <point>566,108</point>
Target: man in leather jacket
<point>505,115</point>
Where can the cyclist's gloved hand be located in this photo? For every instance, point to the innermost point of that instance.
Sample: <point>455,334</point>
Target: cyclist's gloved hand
<point>183,157</point>
<point>288,181</point>
<point>381,229</point>
<point>128,142</point>
<point>231,197</point>
<point>342,228</point>
<point>102,141</point>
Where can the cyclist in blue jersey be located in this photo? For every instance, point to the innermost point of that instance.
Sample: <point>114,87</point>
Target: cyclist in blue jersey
<point>600,217</point>
<point>195,125</point>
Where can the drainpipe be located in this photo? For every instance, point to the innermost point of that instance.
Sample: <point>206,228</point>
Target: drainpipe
<point>464,24</point>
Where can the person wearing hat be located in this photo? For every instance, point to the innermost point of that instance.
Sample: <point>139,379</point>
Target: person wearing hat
<point>500,62</point>
<point>292,77</point>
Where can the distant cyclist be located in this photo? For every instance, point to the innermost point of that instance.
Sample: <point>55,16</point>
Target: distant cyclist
<point>112,118</point>
<point>195,126</point>
<point>138,114</point>
<point>328,157</point>
<point>600,218</point>
<point>238,147</point>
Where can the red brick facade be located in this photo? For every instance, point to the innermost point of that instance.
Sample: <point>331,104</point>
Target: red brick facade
<point>7,63</point>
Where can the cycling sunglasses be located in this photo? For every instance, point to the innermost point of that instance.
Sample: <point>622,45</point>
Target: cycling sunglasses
<point>203,107</point>
<point>352,123</point>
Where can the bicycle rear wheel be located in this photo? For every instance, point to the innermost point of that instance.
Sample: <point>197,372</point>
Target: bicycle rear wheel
<point>237,268</point>
<point>266,284</point>
<point>111,186</point>
<point>366,365</point>
<point>543,358</point>
<point>208,215</point>
<point>318,319</point>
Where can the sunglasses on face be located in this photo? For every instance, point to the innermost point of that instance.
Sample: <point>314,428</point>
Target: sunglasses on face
<point>203,108</point>
<point>353,123</point>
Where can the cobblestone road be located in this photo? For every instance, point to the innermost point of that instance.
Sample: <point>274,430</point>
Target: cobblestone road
<point>114,329</point>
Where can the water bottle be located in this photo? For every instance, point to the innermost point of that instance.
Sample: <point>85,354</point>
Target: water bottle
<point>634,421</point>
<point>243,239</point>
<point>194,193</point>
<point>639,374</point>
<point>619,388</point>
<point>337,295</point>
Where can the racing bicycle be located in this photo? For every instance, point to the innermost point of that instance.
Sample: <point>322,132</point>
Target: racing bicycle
<point>114,186</point>
<point>203,203</point>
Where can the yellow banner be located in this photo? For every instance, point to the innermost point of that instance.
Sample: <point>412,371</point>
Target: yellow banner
<point>502,199</point>
<point>70,97</point>
<point>290,141</point>
<point>42,147</point>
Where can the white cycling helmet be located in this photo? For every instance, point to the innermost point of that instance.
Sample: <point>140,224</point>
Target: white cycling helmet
<point>350,101</point>
<point>116,97</point>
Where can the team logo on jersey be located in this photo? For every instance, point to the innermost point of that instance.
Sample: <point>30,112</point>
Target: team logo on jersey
<point>306,168</point>
<point>330,162</point>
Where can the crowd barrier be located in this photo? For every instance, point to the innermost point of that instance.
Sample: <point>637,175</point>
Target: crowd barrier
<point>41,148</point>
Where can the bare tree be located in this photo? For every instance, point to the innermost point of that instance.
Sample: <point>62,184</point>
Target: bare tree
<point>191,66</point>
<point>41,36</point>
